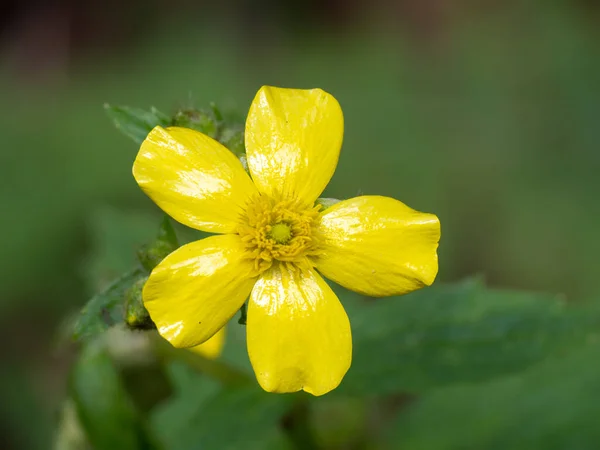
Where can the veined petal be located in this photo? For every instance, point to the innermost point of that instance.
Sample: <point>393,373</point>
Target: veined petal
<point>378,246</point>
<point>212,348</point>
<point>298,332</point>
<point>195,290</point>
<point>193,178</point>
<point>293,141</point>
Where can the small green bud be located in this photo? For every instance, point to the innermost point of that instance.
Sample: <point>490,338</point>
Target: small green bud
<point>198,120</point>
<point>233,139</point>
<point>136,314</point>
<point>152,254</point>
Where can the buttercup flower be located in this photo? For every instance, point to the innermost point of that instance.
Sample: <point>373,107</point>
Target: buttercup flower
<point>274,242</point>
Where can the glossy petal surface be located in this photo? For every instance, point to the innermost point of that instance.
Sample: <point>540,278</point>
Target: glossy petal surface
<point>212,348</point>
<point>195,290</point>
<point>298,332</point>
<point>293,141</point>
<point>193,178</point>
<point>378,246</point>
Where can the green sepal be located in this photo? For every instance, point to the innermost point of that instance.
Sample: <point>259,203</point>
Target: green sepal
<point>233,138</point>
<point>166,242</point>
<point>136,123</point>
<point>197,119</point>
<point>136,314</point>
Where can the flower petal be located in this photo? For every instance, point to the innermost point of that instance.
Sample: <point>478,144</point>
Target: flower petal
<point>378,246</point>
<point>195,290</point>
<point>193,178</point>
<point>298,332</point>
<point>212,348</point>
<point>293,141</point>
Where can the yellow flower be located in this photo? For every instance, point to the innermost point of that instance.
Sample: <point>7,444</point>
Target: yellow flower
<point>273,239</point>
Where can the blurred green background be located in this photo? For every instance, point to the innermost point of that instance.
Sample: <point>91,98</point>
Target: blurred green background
<point>485,113</point>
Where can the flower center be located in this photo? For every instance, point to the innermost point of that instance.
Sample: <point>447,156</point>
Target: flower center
<point>281,233</point>
<point>279,230</point>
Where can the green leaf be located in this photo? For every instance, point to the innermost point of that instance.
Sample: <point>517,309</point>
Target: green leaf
<point>104,408</point>
<point>106,308</point>
<point>554,405</point>
<point>244,417</point>
<point>191,391</point>
<point>203,415</point>
<point>454,334</point>
<point>136,123</point>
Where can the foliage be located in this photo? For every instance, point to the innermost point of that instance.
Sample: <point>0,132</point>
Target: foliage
<point>136,123</point>
<point>551,406</point>
<point>437,359</point>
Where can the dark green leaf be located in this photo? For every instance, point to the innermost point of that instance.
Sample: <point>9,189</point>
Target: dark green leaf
<point>245,417</point>
<point>338,422</point>
<point>136,123</point>
<point>106,308</point>
<point>191,391</point>
<point>204,416</point>
<point>104,408</point>
<point>552,406</point>
<point>454,334</point>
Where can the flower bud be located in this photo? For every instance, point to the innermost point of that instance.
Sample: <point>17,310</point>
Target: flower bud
<point>202,121</point>
<point>233,138</point>
<point>136,315</point>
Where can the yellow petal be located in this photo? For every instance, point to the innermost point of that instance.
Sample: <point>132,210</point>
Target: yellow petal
<point>212,348</point>
<point>293,141</point>
<point>298,332</point>
<point>378,246</point>
<point>195,290</point>
<point>193,178</point>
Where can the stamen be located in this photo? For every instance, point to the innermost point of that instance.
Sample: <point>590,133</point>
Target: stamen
<point>279,231</point>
